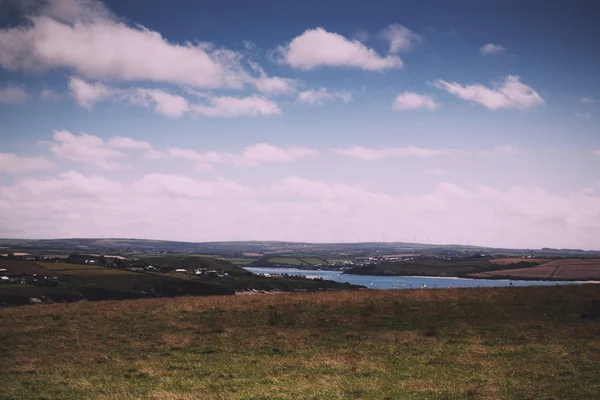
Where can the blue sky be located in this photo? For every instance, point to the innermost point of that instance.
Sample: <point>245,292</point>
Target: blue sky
<point>464,122</point>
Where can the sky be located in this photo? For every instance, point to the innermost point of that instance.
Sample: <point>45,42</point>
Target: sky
<point>463,122</point>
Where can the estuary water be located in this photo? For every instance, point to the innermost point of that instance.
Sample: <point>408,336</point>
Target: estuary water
<point>405,282</point>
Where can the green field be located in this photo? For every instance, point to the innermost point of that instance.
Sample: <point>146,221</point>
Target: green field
<point>76,282</point>
<point>241,261</point>
<point>502,343</point>
<point>293,261</point>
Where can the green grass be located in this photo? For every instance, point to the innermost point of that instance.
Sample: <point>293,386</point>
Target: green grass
<point>66,267</point>
<point>286,260</point>
<point>296,261</point>
<point>241,261</point>
<point>502,343</point>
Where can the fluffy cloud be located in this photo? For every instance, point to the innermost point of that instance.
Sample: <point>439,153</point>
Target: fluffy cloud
<point>228,106</point>
<point>86,94</point>
<point>85,149</point>
<point>411,100</point>
<point>162,206</point>
<point>12,163</point>
<point>170,105</point>
<point>272,85</point>
<point>264,153</point>
<point>96,152</point>
<point>258,154</point>
<point>164,103</point>
<point>510,94</point>
<point>490,49</point>
<point>319,96</point>
<point>13,95</point>
<point>121,142</point>
<point>204,161</point>
<point>181,186</point>
<point>275,84</point>
<point>587,100</point>
<point>125,143</point>
<point>84,37</point>
<point>585,115</point>
<point>509,149</point>
<point>49,95</point>
<point>319,48</point>
<point>400,38</point>
<point>368,154</point>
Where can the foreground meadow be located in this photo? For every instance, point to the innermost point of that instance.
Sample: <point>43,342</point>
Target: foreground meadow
<point>536,343</point>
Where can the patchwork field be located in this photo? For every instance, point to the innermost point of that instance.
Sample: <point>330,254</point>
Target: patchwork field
<point>564,269</point>
<point>504,343</point>
<point>75,282</point>
<point>290,261</point>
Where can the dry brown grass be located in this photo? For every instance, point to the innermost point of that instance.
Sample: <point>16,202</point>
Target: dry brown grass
<point>421,344</point>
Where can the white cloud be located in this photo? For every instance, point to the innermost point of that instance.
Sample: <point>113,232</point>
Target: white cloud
<point>228,106</point>
<point>84,37</point>
<point>411,100</point>
<point>12,163</point>
<point>319,96</point>
<point>438,171</point>
<point>596,152</point>
<point>587,100</point>
<point>400,38</point>
<point>164,206</point>
<point>510,94</point>
<point>319,48</point>
<point>509,150</point>
<point>49,95</point>
<point>264,153</point>
<point>85,149</point>
<point>173,106</point>
<point>272,85</point>
<point>125,143</point>
<point>164,103</point>
<point>258,154</point>
<point>585,115</point>
<point>121,142</point>
<point>275,84</point>
<point>95,151</point>
<point>204,161</point>
<point>13,95</point>
<point>181,186</point>
<point>86,94</point>
<point>370,154</point>
<point>490,49</point>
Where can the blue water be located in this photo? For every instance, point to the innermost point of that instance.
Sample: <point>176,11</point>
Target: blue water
<point>405,282</point>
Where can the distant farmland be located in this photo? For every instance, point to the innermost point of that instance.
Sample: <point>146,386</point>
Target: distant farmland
<point>567,269</point>
<point>294,262</point>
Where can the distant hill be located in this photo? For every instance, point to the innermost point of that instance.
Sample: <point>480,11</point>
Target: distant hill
<point>436,267</point>
<point>195,262</point>
<point>132,247</point>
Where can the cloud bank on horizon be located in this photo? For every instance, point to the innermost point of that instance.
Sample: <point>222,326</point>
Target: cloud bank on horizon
<point>125,124</point>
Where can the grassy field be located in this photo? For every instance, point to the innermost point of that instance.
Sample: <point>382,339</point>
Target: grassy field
<point>75,282</point>
<point>567,269</point>
<point>296,262</point>
<point>502,343</point>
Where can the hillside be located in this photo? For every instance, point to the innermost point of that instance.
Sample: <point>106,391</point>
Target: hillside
<point>36,281</point>
<point>195,262</point>
<point>505,343</point>
<point>440,267</point>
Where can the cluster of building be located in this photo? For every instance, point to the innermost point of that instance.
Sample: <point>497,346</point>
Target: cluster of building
<point>203,272</point>
<point>33,279</point>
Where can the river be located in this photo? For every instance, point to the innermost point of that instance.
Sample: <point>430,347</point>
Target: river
<point>405,282</point>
